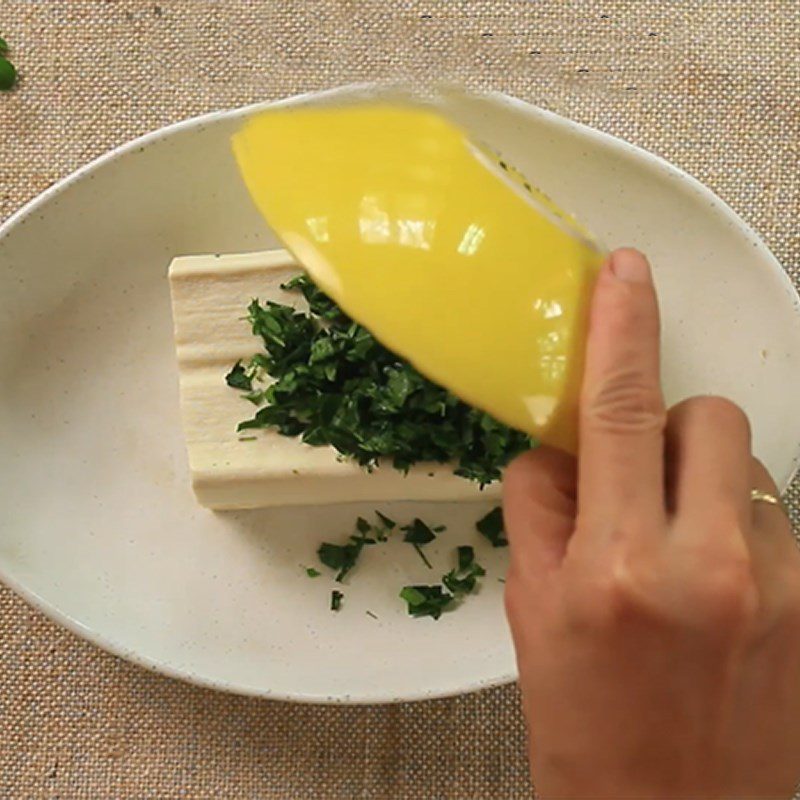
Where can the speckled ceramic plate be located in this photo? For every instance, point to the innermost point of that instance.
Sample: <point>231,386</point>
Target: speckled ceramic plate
<point>98,525</point>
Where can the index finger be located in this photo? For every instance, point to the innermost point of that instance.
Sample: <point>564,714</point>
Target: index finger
<point>622,414</point>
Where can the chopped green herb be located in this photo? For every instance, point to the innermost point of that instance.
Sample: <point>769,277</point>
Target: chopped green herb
<point>463,578</point>
<point>423,556</point>
<point>362,526</point>
<point>466,559</point>
<point>370,614</point>
<point>238,378</point>
<point>389,524</point>
<point>335,384</point>
<point>343,557</point>
<point>248,438</point>
<point>501,580</point>
<point>340,557</point>
<point>418,532</point>
<point>336,600</point>
<point>313,573</point>
<point>491,526</point>
<point>332,555</point>
<point>382,531</point>
<point>8,74</point>
<point>363,539</point>
<point>426,601</point>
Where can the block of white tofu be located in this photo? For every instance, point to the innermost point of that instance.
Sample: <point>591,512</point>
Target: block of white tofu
<point>210,295</point>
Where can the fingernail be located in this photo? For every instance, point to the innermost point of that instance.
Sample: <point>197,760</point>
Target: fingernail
<point>630,266</point>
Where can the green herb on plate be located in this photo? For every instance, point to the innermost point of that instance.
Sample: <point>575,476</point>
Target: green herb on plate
<point>491,526</point>
<point>426,601</point>
<point>462,579</point>
<point>387,523</point>
<point>419,534</point>
<point>336,600</point>
<point>363,527</point>
<point>340,557</point>
<point>313,573</point>
<point>343,557</point>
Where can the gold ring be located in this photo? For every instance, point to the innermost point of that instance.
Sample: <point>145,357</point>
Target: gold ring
<point>757,496</point>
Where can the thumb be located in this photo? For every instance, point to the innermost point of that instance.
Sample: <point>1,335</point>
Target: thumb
<point>539,491</point>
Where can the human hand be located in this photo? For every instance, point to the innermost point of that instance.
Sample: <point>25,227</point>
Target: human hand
<point>655,608</point>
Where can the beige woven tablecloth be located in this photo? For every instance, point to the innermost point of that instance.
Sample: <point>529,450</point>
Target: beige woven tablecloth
<point>710,84</point>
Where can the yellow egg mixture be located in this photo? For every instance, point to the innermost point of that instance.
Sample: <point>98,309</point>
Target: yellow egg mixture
<point>445,253</point>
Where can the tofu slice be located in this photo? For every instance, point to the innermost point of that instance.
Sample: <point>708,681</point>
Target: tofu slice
<point>209,297</point>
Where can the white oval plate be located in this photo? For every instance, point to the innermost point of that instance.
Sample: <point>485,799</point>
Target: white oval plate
<point>98,526</point>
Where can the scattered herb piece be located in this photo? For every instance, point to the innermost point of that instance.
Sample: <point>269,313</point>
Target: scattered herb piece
<point>422,600</point>
<point>387,523</point>
<point>491,526</point>
<point>465,554</point>
<point>333,555</point>
<point>501,580</point>
<point>463,578</point>
<point>426,601</point>
<point>335,384</point>
<point>248,438</point>
<point>363,539</point>
<point>418,534</point>
<point>423,556</point>
<point>362,526</point>
<point>238,378</point>
<point>8,74</point>
<point>341,557</point>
